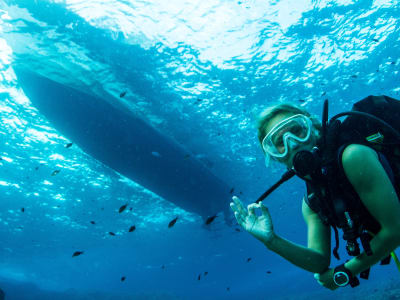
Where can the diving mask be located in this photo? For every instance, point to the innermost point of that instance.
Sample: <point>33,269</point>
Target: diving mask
<point>287,135</point>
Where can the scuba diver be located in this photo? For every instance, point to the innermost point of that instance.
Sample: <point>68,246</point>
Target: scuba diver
<point>352,173</point>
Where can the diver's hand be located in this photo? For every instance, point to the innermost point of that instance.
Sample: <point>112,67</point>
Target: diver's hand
<point>259,226</point>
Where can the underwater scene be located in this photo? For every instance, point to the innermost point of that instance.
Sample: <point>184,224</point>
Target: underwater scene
<point>127,126</point>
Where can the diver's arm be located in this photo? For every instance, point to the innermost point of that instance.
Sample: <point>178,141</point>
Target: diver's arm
<point>369,179</point>
<point>316,257</point>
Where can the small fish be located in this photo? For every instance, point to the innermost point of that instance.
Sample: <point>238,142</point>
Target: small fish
<point>205,273</point>
<point>199,99</point>
<point>353,76</point>
<point>122,208</point>
<point>111,233</point>
<point>172,223</point>
<point>1,158</point>
<point>55,172</point>
<point>37,168</point>
<point>93,222</point>
<point>130,208</point>
<point>268,272</point>
<point>123,278</point>
<point>77,253</point>
<point>240,193</point>
<point>323,94</point>
<point>187,156</point>
<point>163,267</point>
<point>375,40</point>
<point>102,208</point>
<point>68,145</point>
<point>132,228</point>
<point>237,229</point>
<point>231,191</point>
<point>219,133</point>
<point>122,95</point>
<point>393,63</point>
<point>249,259</point>
<point>210,219</point>
<point>228,289</point>
<point>22,209</point>
<point>198,278</point>
<point>302,100</point>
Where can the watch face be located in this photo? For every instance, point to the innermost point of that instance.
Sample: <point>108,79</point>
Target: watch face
<point>341,278</point>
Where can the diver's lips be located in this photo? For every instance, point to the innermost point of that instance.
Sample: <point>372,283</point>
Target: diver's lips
<point>128,145</point>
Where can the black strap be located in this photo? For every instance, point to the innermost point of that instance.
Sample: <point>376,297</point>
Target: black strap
<point>386,260</point>
<point>365,274</point>
<point>335,250</point>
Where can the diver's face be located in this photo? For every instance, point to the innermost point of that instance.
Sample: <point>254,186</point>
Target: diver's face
<point>287,160</point>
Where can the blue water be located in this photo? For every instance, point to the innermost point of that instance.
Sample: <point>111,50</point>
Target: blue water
<point>197,72</point>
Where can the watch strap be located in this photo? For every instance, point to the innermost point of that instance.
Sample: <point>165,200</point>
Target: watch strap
<point>353,280</point>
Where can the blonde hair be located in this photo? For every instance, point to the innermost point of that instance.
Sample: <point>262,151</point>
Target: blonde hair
<point>270,112</point>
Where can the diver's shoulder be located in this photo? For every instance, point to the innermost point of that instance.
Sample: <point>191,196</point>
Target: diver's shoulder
<point>358,153</point>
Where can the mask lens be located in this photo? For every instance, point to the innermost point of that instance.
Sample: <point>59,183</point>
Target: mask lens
<point>297,128</point>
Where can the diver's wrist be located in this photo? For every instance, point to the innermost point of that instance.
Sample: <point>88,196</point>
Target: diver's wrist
<point>269,240</point>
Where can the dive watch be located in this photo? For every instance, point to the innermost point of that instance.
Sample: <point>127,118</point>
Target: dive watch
<point>342,277</point>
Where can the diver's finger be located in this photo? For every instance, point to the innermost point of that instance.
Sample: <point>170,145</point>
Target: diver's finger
<point>251,208</point>
<point>239,205</point>
<point>239,219</point>
<point>318,277</point>
<point>264,209</point>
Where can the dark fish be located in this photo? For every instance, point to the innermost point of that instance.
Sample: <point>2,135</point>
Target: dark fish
<point>205,273</point>
<point>130,208</point>
<point>210,219</point>
<point>37,168</point>
<point>1,158</point>
<point>132,228</point>
<point>102,208</point>
<point>228,289</point>
<point>375,40</point>
<point>111,233</point>
<point>172,223</point>
<point>198,278</point>
<point>122,95</point>
<point>231,191</point>
<point>240,193</point>
<point>268,272</point>
<point>22,209</point>
<point>237,229</point>
<point>77,253</point>
<point>162,267</point>
<point>353,76</point>
<point>219,133</point>
<point>393,63</point>
<point>199,99</point>
<point>323,94</point>
<point>55,172</point>
<point>93,222</point>
<point>249,259</point>
<point>122,208</point>
<point>187,156</point>
<point>302,100</point>
<point>68,145</point>
<point>123,278</point>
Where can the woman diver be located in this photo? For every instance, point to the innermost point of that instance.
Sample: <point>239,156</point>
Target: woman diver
<point>284,132</point>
